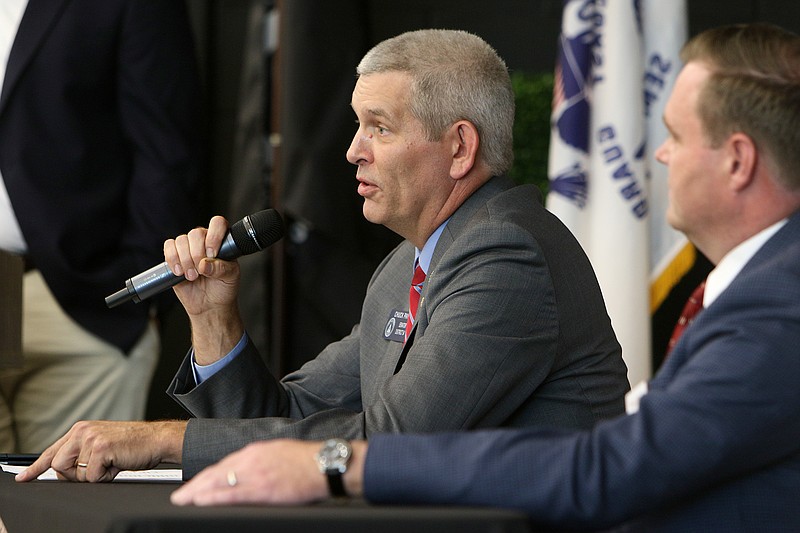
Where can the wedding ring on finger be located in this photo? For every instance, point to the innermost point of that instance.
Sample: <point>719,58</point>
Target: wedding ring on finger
<point>232,481</point>
<point>81,465</point>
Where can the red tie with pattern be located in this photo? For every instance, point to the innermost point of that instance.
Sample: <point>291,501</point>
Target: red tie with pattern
<point>693,306</point>
<point>413,296</point>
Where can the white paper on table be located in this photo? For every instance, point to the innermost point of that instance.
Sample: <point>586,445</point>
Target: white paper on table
<point>157,475</point>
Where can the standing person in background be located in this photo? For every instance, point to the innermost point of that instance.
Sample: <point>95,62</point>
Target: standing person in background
<point>99,161</point>
<point>714,445</point>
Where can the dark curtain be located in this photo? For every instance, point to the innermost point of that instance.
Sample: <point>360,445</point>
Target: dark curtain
<point>308,291</point>
<point>331,250</point>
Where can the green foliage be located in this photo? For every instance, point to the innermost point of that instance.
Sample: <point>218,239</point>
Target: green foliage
<point>534,95</point>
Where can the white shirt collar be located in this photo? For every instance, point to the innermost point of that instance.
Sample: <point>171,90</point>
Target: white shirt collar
<point>734,261</point>
<point>11,12</point>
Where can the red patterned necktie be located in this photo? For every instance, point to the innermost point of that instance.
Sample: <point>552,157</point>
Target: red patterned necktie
<point>413,296</point>
<point>693,306</point>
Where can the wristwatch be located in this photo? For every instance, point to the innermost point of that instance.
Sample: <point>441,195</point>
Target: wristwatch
<point>332,460</point>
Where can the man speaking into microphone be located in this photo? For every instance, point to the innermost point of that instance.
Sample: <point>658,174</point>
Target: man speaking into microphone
<point>487,315</point>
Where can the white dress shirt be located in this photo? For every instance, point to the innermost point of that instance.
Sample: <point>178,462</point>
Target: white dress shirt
<point>11,238</point>
<point>734,261</point>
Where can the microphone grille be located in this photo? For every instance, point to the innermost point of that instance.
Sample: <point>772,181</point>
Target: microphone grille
<point>267,229</point>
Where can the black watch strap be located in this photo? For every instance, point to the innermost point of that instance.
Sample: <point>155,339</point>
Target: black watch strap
<point>335,484</point>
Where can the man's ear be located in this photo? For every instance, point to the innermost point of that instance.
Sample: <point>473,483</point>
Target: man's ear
<point>465,142</point>
<point>742,160</point>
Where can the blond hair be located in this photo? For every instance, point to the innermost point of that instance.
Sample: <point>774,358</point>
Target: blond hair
<point>754,88</point>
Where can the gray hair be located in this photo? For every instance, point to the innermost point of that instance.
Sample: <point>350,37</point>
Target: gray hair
<point>455,76</point>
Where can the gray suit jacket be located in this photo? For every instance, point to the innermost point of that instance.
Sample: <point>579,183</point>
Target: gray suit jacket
<point>511,331</point>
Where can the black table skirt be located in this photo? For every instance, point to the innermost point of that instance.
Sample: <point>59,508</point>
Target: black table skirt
<point>127,507</point>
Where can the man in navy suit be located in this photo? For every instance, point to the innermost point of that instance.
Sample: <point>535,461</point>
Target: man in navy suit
<point>714,444</point>
<point>99,162</point>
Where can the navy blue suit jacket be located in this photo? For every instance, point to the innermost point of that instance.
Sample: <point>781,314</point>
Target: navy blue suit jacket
<point>715,445</point>
<point>99,147</point>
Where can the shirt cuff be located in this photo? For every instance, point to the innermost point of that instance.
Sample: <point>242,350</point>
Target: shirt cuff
<point>203,372</point>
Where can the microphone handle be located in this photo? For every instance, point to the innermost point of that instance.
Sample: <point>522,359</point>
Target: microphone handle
<point>160,278</point>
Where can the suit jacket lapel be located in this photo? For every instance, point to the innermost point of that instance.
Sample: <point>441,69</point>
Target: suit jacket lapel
<point>455,226</point>
<point>37,20</point>
<point>778,242</point>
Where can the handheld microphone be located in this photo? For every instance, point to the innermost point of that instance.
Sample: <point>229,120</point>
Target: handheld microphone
<point>252,234</point>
